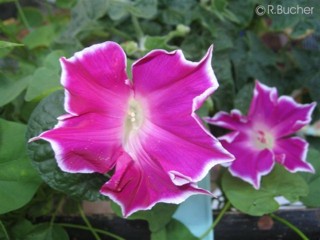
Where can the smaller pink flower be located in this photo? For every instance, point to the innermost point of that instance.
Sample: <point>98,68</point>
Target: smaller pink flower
<point>262,138</point>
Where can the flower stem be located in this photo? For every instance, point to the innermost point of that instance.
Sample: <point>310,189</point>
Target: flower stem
<point>6,235</point>
<point>53,217</point>
<point>217,220</point>
<point>290,225</point>
<point>21,13</point>
<point>85,219</point>
<point>69,225</point>
<point>139,32</point>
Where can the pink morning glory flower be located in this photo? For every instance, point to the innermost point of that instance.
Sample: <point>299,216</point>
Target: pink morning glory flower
<point>263,137</point>
<point>144,130</point>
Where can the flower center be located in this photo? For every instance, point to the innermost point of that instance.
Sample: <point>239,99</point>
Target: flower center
<point>133,120</point>
<point>263,139</point>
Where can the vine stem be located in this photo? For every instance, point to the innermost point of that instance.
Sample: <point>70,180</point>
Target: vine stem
<point>69,225</point>
<point>53,217</point>
<point>138,30</point>
<point>6,235</point>
<point>21,13</point>
<point>217,220</point>
<point>290,225</point>
<point>85,219</point>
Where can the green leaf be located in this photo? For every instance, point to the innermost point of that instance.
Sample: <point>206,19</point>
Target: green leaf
<point>178,12</point>
<point>241,12</point>
<point>279,182</point>
<point>178,231</point>
<point>224,95</point>
<point>46,79</point>
<point>46,231</point>
<point>144,8</point>
<point>10,90</point>
<point>40,37</point>
<point>84,18</point>
<point>34,16</point>
<point>20,229</point>
<point>65,3</point>
<point>44,117</point>
<point>139,8</point>
<point>313,180</point>
<point>157,217</point>
<point>161,42</point>
<point>243,98</point>
<point>18,180</point>
<point>4,44</point>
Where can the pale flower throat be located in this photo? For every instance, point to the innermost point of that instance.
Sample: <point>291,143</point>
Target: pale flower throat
<point>133,120</point>
<point>263,139</point>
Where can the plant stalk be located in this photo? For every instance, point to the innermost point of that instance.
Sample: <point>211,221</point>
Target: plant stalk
<point>290,225</point>
<point>85,219</point>
<point>217,220</point>
<point>69,225</point>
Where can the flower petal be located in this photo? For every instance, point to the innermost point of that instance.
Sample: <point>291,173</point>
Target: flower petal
<point>283,116</point>
<point>86,143</point>
<point>169,80</point>
<point>233,121</point>
<point>189,153</point>
<point>250,164</point>
<point>295,152</point>
<point>263,104</point>
<point>174,89</point>
<point>95,80</point>
<point>139,185</point>
<point>291,116</point>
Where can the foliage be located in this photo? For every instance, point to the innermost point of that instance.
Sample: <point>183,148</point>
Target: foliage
<point>279,50</point>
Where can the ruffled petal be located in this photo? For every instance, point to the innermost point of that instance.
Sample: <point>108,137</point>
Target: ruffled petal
<point>86,143</point>
<point>191,154</point>
<point>263,104</point>
<point>282,116</point>
<point>234,121</point>
<point>95,80</point>
<point>250,164</point>
<point>174,89</point>
<point>139,185</point>
<point>291,116</point>
<point>294,150</point>
<point>173,85</point>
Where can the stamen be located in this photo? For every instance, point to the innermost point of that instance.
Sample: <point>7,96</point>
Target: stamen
<point>262,139</point>
<point>133,120</point>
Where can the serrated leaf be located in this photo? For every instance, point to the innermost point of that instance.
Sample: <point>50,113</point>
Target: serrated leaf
<point>279,182</point>
<point>313,180</point>
<point>44,117</point>
<point>18,180</point>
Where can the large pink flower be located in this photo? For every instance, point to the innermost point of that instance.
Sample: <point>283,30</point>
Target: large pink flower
<point>262,138</point>
<point>145,130</point>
